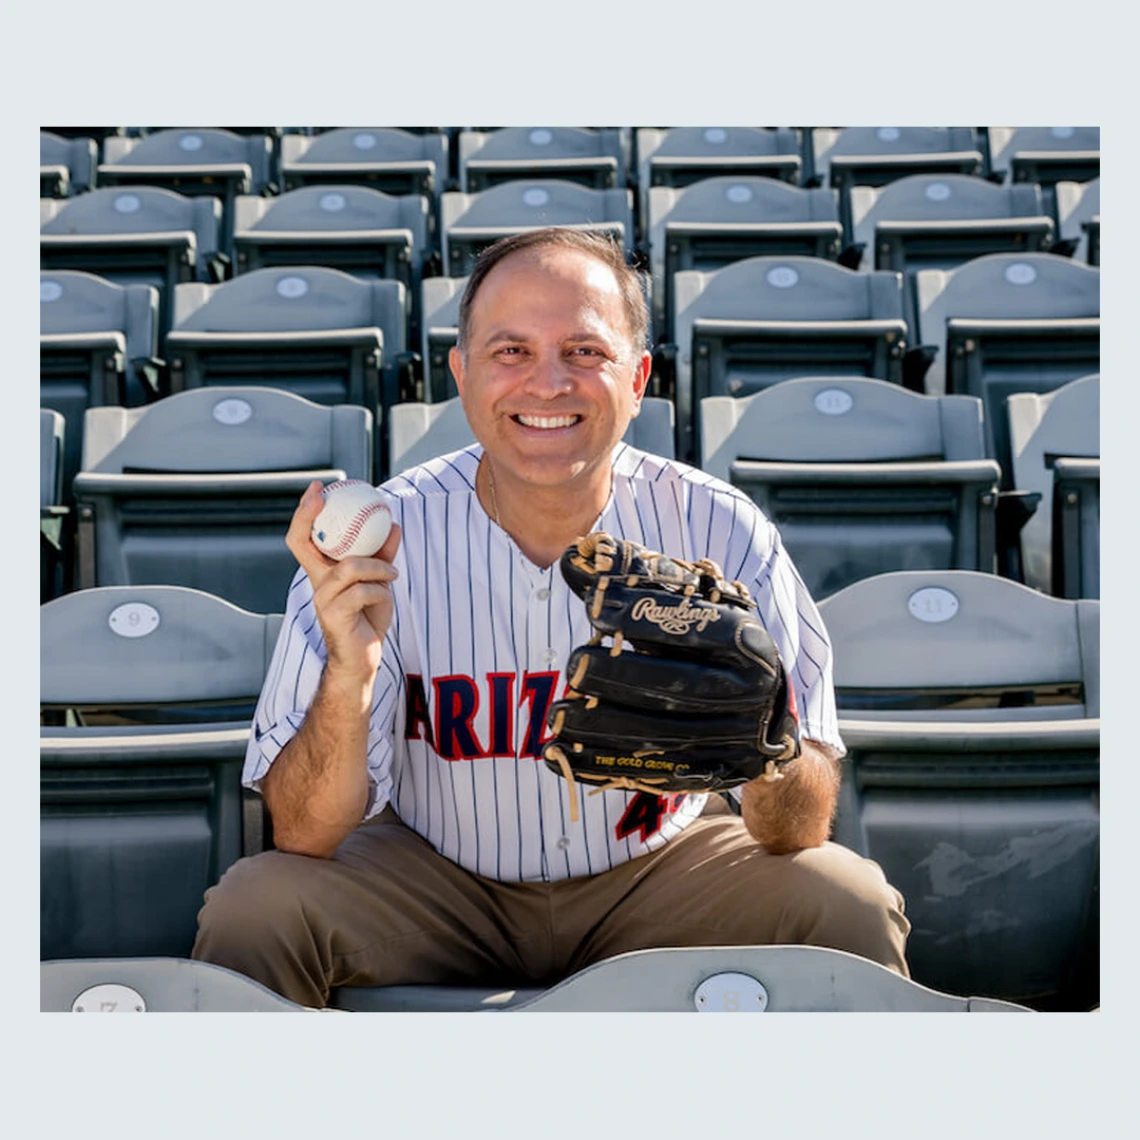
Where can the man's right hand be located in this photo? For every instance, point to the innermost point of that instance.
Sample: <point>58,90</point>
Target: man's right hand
<point>352,598</point>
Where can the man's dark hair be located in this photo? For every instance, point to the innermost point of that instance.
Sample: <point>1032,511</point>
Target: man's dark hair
<point>596,243</point>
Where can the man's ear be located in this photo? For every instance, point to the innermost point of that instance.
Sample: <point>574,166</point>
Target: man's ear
<point>455,359</point>
<point>641,380</point>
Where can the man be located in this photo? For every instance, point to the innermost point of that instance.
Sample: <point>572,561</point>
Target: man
<point>420,838</point>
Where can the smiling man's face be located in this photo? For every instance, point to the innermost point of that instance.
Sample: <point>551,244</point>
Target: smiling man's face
<point>550,377</point>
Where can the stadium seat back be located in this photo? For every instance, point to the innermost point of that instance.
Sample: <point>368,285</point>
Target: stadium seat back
<point>1078,218</point>
<point>198,489</point>
<point>141,802</point>
<point>860,476</point>
<point>1007,323</point>
<point>970,708</point>
<point>382,158</point>
<point>471,222</point>
<point>591,157</point>
<point>1062,424</point>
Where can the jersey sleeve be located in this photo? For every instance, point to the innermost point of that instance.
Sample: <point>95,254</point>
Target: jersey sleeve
<point>290,685</point>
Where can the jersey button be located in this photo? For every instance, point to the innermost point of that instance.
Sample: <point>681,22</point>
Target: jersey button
<point>564,842</point>
<point>550,656</point>
<point>543,594</point>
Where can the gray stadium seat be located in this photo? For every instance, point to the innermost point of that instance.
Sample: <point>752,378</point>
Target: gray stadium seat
<point>939,221</point>
<point>54,514</point>
<point>471,222</point>
<point>1078,218</point>
<point>356,229</point>
<point>766,319</point>
<point>700,979</point>
<point>438,332</point>
<point>98,345</point>
<point>680,156</point>
<point>1006,323</point>
<point>144,235</point>
<point>419,432</point>
<point>146,697</point>
<point>714,222</point>
<point>323,334</point>
<point>383,158</point>
<point>67,166</point>
<point>873,156</point>
<point>198,489</point>
<point>591,157</point>
<point>970,707</point>
<point>1049,435</point>
<point>1046,156</point>
<point>860,476</point>
<point>194,162</point>
<point>152,985</point>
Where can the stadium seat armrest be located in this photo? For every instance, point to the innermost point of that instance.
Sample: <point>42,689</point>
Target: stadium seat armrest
<point>851,256</point>
<point>1014,510</point>
<point>663,379</point>
<point>219,267</point>
<point>153,372</point>
<point>1064,247</point>
<point>915,365</point>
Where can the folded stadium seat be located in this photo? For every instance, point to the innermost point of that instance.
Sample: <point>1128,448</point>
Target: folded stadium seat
<point>67,166</point>
<point>970,707</point>
<point>419,432</point>
<point>98,345</point>
<point>144,235</point>
<point>765,319</point>
<point>1045,155</point>
<point>1055,445</point>
<point>717,221</point>
<point>329,336</point>
<point>874,156</point>
<point>383,158</point>
<point>939,221</point>
<point>439,329</point>
<point>590,157</point>
<point>55,518</point>
<point>359,230</point>
<point>1078,218</point>
<point>471,222</point>
<point>860,476</point>
<point>193,162</point>
<point>198,489</point>
<point>146,698</point>
<point>1005,323</point>
<point>680,156</point>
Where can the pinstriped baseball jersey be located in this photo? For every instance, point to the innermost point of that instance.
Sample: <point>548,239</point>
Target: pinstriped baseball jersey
<point>476,654</point>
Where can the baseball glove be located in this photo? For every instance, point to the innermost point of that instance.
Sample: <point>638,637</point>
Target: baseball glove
<point>702,703</point>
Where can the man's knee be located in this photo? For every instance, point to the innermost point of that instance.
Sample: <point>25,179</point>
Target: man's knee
<point>256,897</point>
<point>846,903</point>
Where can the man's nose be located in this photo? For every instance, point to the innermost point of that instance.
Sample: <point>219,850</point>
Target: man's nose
<point>550,376</point>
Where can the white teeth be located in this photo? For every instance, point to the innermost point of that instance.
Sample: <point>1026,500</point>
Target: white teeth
<point>547,421</point>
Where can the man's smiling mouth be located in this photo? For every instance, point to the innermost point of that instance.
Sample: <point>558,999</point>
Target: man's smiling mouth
<point>546,423</point>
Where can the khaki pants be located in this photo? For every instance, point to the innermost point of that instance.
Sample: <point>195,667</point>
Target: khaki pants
<point>386,909</point>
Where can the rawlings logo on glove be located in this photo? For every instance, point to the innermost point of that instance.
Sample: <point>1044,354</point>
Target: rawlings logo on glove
<point>702,703</point>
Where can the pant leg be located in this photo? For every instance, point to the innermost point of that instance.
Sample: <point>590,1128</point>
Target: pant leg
<point>386,909</point>
<point>714,886</point>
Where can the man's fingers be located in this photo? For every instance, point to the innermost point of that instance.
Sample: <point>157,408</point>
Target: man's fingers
<point>387,552</point>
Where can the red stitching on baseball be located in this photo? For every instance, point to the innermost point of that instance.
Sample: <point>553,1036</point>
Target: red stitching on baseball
<point>354,528</point>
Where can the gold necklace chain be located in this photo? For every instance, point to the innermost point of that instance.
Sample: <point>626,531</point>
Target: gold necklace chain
<point>494,497</point>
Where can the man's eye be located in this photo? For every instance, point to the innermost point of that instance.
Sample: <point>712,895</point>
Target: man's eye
<point>586,350</point>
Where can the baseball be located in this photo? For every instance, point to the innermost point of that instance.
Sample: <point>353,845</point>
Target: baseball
<point>354,522</point>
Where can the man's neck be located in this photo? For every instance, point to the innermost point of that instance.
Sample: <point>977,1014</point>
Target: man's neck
<point>542,521</point>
